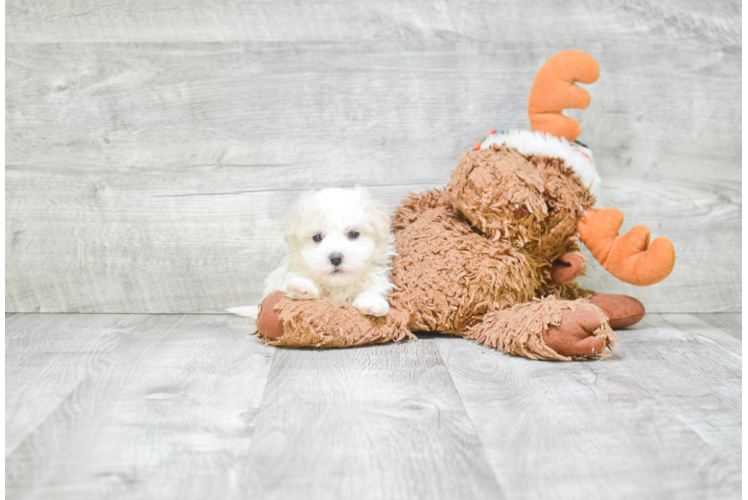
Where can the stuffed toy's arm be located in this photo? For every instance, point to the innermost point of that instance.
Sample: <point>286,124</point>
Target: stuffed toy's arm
<point>569,266</point>
<point>325,323</point>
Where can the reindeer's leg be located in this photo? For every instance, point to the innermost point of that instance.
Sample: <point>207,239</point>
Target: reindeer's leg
<point>621,310</point>
<point>325,323</point>
<point>547,329</point>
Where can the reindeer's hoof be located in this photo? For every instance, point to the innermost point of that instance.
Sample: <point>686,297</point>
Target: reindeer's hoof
<point>269,324</point>
<point>621,310</point>
<point>573,337</point>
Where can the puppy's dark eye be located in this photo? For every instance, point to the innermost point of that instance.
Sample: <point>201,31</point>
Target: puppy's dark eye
<point>353,235</point>
<point>317,238</point>
<point>548,207</point>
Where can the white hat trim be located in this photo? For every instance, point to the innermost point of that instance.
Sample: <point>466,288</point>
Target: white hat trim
<point>575,154</point>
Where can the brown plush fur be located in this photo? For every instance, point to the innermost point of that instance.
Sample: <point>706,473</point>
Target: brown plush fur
<point>520,330</point>
<point>325,323</point>
<point>462,253</point>
<point>475,260</point>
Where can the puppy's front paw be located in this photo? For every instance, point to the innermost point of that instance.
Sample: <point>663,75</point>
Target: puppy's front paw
<point>301,288</point>
<point>371,304</point>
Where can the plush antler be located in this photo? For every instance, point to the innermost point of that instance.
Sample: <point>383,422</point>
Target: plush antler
<point>553,90</point>
<point>628,257</point>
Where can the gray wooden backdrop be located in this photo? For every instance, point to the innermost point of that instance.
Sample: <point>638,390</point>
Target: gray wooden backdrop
<point>152,148</point>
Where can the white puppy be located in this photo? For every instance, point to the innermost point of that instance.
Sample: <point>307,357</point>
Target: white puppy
<point>339,246</point>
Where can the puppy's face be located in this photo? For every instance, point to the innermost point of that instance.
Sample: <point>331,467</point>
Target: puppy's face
<point>337,234</point>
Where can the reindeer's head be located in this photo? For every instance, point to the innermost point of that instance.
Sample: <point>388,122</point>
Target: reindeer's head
<point>537,189</point>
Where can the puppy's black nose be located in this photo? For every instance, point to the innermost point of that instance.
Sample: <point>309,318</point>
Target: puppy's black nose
<point>336,259</point>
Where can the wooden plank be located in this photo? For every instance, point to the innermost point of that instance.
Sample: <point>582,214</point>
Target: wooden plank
<point>712,405</point>
<point>702,328</point>
<point>152,244</point>
<point>486,21</point>
<point>166,188</point>
<point>46,357</point>
<point>377,110</point>
<point>169,415</point>
<point>731,324</point>
<point>374,422</point>
<point>142,246</point>
<point>660,417</point>
<point>703,331</point>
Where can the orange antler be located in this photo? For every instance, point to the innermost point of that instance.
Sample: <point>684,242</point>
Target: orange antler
<point>628,257</point>
<point>553,90</point>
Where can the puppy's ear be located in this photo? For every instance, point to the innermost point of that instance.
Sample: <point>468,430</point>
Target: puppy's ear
<point>379,218</point>
<point>294,219</point>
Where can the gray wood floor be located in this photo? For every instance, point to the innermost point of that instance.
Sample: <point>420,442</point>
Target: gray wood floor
<point>190,406</point>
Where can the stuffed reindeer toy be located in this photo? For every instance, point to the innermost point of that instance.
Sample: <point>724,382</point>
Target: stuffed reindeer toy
<point>493,256</point>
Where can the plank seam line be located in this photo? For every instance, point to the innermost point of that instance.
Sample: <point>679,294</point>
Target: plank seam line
<point>253,442</point>
<point>289,190</point>
<point>472,424</point>
<point>704,338</point>
<point>120,339</point>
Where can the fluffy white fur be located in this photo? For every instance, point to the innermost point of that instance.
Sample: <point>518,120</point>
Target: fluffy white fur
<point>539,143</point>
<point>340,246</point>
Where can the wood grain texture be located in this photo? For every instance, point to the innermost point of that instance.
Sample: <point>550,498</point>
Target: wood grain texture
<point>167,415</point>
<point>153,149</point>
<point>290,20</point>
<point>374,422</point>
<point>153,246</point>
<point>189,406</point>
<point>175,413</point>
<point>659,418</point>
<point>47,356</point>
<point>728,323</point>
